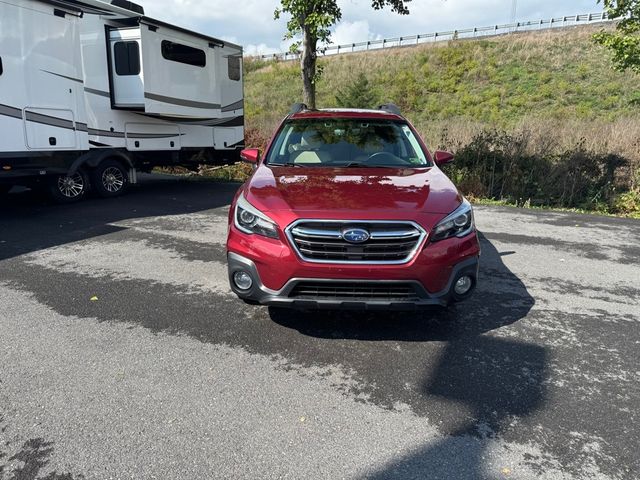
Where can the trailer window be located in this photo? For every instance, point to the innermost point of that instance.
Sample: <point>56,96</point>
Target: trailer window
<point>127,58</point>
<point>177,52</point>
<point>235,64</point>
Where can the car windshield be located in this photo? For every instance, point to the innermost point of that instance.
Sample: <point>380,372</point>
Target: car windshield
<point>347,142</point>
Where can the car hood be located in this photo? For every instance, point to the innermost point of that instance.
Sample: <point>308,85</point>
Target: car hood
<point>367,192</point>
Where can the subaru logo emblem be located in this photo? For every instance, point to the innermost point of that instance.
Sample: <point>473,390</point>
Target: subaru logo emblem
<point>355,235</point>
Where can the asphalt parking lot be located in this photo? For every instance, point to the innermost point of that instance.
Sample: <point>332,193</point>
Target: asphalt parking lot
<point>123,354</point>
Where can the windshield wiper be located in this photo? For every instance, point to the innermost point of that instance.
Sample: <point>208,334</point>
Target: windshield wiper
<point>284,164</point>
<point>364,165</point>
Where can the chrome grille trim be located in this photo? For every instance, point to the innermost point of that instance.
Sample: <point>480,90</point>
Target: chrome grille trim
<point>312,233</point>
<point>392,242</point>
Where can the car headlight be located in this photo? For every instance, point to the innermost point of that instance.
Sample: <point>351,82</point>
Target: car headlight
<point>458,224</point>
<point>249,219</point>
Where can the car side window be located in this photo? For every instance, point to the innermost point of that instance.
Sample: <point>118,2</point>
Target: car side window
<point>282,148</point>
<point>414,149</point>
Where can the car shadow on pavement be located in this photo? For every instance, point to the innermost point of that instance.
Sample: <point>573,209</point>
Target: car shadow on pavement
<point>501,299</point>
<point>500,382</point>
<point>29,222</point>
<point>477,387</point>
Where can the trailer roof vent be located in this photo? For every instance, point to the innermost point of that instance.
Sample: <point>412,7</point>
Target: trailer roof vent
<point>132,7</point>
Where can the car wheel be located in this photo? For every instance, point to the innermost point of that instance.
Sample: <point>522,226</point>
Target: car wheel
<point>4,189</point>
<point>110,178</point>
<point>69,188</point>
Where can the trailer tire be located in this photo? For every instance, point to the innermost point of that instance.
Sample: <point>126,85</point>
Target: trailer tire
<point>110,178</point>
<point>69,188</point>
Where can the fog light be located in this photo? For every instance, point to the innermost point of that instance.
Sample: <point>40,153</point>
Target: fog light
<point>242,280</point>
<point>463,285</point>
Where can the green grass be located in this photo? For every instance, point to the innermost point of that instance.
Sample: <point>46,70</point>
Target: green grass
<point>552,75</point>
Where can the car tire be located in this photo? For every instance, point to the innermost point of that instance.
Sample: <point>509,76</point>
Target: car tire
<point>69,188</point>
<point>4,189</point>
<point>110,178</point>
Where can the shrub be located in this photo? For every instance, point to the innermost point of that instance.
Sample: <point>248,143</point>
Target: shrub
<point>358,94</point>
<point>255,138</point>
<point>627,203</point>
<point>503,166</point>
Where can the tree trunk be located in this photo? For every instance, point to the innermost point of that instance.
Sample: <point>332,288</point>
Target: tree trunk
<point>308,64</point>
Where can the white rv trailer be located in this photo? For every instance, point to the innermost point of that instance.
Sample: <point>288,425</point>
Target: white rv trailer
<point>92,91</point>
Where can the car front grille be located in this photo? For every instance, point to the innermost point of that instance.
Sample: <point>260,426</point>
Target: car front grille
<point>388,242</point>
<point>350,290</point>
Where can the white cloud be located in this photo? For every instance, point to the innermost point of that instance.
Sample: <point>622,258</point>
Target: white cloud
<point>429,16</point>
<point>251,22</point>
<point>353,32</point>
<point>260,49</point>
<point>264,49</point>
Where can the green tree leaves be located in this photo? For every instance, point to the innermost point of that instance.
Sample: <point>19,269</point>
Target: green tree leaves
<point>625,42</point>
<point>311,21</point>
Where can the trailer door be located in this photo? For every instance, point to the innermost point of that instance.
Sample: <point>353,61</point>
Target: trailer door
<point>181,78</point>
<point>127,72</point>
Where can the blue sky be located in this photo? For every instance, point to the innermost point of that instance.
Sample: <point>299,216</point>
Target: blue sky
<point>250,22</point>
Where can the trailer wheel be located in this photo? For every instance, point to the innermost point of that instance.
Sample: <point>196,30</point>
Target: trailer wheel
<point>110,178</point>
<point>69,189</point>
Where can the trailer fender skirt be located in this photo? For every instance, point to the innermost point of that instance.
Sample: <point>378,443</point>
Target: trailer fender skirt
<point>94,157</point>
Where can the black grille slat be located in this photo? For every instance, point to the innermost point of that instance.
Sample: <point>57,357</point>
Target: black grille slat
<point>354,290</point>
<point>392,242</point>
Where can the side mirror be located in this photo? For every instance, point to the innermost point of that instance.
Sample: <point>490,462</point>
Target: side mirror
<point>251,155</point>
<point>442,158</point>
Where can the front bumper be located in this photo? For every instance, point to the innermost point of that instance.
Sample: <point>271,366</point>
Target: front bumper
<point>285,297</point>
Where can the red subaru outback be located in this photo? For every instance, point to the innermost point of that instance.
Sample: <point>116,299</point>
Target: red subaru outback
<point>348,209</point>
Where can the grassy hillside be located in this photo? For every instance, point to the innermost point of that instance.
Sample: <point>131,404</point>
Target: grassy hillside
<point>541,95</point>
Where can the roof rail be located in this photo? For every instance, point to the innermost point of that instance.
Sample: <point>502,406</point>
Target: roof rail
<point>297,108</point>
<point>391,108</point>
